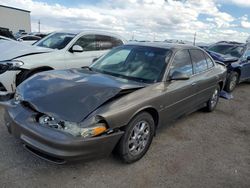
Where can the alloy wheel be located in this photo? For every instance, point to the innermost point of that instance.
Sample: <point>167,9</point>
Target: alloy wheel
<point>215,98</point>
<point>139,138</point>
<point>233,82</point>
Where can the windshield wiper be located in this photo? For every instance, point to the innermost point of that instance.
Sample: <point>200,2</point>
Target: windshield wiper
<point>87,67</point>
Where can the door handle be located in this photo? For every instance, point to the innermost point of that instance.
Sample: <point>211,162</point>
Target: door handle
<point>193,84</point>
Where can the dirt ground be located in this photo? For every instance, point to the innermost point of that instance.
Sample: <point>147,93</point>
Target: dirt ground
<point>200,150</point>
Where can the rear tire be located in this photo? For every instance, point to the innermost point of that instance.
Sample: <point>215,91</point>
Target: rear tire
<point>213,101</point>
<point>232,82</point>
<point>137,138</point>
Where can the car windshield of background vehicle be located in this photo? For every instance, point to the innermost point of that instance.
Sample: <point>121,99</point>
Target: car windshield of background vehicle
<point>56,40</point>
<point>143,64</point>
<point>234,51</point>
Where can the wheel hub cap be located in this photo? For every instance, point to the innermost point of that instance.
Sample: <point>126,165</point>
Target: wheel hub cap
<point>233,83</point>
<point>214,99</point>
<point>139,138</point>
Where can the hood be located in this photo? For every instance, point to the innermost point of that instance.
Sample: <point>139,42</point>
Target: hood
<point>222,58</point>
<point>73,94</point>
<point>10,50</point>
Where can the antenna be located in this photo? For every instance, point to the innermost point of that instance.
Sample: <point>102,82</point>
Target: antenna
<point>194,38</point>
<point>39,23</point>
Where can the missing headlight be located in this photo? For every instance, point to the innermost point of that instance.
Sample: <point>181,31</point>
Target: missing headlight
<point>51,122</point>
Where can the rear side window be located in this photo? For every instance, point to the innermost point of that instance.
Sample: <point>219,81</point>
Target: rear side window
<point>116,42</point>
<point>103,42</point>
<point>106,42</point>
<point>98,42</point>
<point>182,63</point>
<point>199,61</point>
<point>210,63</point>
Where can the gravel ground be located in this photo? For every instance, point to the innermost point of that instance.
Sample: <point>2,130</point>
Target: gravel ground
<point>200,150</point>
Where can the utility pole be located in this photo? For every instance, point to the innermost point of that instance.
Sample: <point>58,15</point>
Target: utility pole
<point>39,23</point>
<point>194,38</point>
<point>133,36</point>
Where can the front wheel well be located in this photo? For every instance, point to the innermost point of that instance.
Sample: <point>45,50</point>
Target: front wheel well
<point>238,71</point>
<point>153,112</point>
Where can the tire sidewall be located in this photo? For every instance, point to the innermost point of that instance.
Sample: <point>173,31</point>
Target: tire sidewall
<point>123,144</point>
<point>230,79</point>
<point>210,107</point>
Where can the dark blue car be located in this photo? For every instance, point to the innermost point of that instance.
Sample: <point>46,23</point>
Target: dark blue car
<point>236,56</point>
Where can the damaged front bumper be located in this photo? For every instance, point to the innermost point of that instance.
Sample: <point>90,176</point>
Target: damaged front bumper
<point>8,84</point>
<point>55,146</point>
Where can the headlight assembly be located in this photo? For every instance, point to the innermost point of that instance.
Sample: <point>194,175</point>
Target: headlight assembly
<point>10,65</point>
<point>73,128</point>
<point>16,64</point>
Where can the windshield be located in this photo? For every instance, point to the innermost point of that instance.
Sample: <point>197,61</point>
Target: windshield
<point>231,50</point>
<point>56,40</point>
<point>143,64</point>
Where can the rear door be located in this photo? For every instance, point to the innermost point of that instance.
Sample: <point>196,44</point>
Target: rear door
<point>180,96</point>
<point>204,76</point>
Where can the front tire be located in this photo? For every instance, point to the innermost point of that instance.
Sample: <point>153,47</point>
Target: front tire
<point>213,101</point>
<point>137,138</point>
<point>232,82</point>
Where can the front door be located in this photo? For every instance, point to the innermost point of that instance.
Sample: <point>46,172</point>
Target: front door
<point>180,95</point>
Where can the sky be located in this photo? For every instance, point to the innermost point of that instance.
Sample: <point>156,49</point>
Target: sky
<point>211,20</point>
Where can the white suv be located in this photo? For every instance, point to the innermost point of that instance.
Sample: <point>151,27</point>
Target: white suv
<point>59,50</point>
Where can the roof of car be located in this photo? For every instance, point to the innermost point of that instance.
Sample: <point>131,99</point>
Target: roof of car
<point>164,45</point>
<point>233,43</point>
<point>89,31</point>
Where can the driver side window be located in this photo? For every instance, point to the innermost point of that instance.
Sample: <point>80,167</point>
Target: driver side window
<point>87,42</point>
<point>182,63</point>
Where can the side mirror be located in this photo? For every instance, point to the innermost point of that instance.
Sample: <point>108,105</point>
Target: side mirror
<point>20,40</point>
<point>77,48</point>
<point>248,58</point>
<point>179,76</point>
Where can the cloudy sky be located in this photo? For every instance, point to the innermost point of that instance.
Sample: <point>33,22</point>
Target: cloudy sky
<point>212,20</point>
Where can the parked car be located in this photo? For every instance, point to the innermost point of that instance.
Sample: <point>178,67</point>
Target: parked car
<point>41,35</point>
<point>29,39</point>
<point>118,102</point>
<point>2,38</point>
<point>236,56</point>
<point>59,50</point>
<point>20,33</point>
<point>4,32</point>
